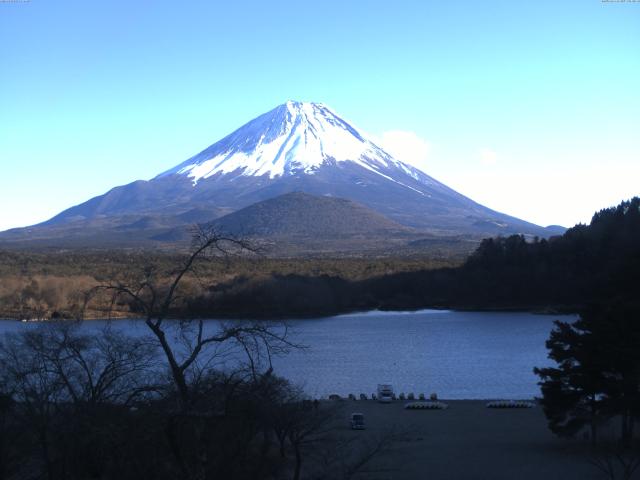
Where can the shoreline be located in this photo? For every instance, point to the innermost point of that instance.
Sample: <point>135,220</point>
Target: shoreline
<point>564,311</point>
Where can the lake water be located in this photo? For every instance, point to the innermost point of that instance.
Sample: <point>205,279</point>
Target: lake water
<point>458,355</point>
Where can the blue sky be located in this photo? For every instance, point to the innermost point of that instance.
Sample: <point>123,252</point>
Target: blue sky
<point>531,108</point>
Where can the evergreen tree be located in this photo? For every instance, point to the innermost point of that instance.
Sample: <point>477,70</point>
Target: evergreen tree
<point>598,372</point>
<point>572,392</point>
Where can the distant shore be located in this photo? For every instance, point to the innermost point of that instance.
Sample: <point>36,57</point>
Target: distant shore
<point>547,310</point>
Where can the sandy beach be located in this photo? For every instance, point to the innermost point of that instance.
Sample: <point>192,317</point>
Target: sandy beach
<point>469,441</point>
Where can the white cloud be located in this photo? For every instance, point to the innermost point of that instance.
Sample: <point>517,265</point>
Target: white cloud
<point>407,147</point>
<point>552,195</point>
<point>488,157</point>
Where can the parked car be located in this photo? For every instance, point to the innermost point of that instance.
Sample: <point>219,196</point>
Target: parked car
<point>357,421</point>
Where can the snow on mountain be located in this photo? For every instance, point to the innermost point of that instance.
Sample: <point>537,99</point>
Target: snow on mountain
<point>296,147</point>
<point>296,137</point>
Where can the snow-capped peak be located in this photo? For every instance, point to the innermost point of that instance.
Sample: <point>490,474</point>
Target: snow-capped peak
<point>295,137</point>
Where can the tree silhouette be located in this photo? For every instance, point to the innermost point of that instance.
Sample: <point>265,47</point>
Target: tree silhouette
<point>152,295</point>
<point>598,372</point>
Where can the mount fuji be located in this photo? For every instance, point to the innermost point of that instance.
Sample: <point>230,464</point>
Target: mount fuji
<point>294,138</point>
<point>296,147</point>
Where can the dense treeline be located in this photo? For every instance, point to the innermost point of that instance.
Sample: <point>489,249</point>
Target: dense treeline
<point>39,285</point>
<point>587,264</point>
<point>596,379</point>
<point>107,264</point>
<point>280,296</point>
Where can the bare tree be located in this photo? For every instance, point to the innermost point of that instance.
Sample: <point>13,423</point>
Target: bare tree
<point>8,463</point>
<point>67,384</point>
<point>29,381</point>
<point>109,367</point>
<point>156,296</point>
<point>616,462</point>
<point>307,427</point>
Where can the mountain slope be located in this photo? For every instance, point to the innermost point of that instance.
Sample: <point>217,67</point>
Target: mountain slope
<point>296,147</point>
<point>301,214</point>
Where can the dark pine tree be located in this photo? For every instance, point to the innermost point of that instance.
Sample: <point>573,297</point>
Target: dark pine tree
<point>598,372</point>
<point>572,391</point>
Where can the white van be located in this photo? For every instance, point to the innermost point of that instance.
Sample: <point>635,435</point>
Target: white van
<point>385,393</point>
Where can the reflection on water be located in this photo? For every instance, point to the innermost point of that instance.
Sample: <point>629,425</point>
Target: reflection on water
<point>455,354</point>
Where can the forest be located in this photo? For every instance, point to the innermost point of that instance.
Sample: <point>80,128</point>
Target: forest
<point>565,273</point>
<point>588,264</point>
<point>37,285</point>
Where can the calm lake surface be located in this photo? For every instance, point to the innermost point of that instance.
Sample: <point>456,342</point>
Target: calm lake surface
<point>458,355</point>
